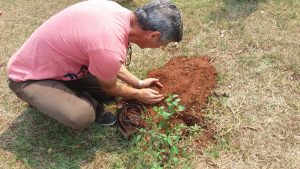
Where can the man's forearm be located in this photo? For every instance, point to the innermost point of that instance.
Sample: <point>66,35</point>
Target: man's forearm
<point>148,96</point>
<point>128,77</point>
<point>122,91</point>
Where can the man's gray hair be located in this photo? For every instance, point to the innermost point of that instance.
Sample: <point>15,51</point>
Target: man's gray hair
<point>162,16</point>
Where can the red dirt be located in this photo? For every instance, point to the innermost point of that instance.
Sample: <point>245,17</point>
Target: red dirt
<point>192,79</point>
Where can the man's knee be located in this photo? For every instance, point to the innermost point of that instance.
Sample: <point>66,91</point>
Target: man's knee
<point>82,117</point>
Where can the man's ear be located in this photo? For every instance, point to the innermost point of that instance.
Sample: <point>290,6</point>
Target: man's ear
<point>154,35</point>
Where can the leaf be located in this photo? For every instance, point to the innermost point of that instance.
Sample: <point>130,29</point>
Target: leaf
<point>175,150</point>
<point>160,157</point>
<point>169,141</point>
<point>156,166</point>
<point>177,100</point>
<point>175,103</point>
<point>176,137</point>
<point>155,108</point>
<point>195,128</point>
<point>138,138</point>
<point>166,115</point>
<point>170,107</point>
<point>172,112</point>
<point>142,130</point>
<point>162,124</point>
<point>180,108</point>
<point>169,99</point>
<point>163,135</point>
<point>175,95</point>
<point>175,159</point>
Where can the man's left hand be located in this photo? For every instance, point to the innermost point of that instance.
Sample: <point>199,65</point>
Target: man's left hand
<point>150,81</point>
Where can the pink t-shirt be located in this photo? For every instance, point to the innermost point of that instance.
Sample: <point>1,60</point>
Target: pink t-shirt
<point>90,36</point>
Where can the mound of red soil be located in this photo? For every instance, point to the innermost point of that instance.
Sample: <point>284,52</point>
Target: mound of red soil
<point>192,79</point>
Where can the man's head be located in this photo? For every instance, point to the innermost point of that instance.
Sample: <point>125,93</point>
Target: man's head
<point>160,22</point>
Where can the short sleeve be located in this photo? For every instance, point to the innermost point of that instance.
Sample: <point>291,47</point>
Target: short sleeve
<point>104,64</point>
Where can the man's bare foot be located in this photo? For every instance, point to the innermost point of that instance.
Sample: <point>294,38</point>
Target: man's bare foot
<point>0,13</point>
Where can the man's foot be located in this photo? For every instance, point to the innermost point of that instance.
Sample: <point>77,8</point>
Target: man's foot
<point>108,119</point>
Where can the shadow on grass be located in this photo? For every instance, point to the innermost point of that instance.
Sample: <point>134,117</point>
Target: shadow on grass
<point>40,142</point>
<point>235,9</point>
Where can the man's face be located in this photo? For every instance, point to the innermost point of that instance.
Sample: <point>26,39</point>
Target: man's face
<point>152,44</point>
<point>151,40</point>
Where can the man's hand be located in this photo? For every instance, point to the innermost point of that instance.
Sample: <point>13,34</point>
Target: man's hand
<point>149,96</point>
<point>149,81</point>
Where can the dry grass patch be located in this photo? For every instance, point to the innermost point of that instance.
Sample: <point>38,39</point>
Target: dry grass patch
<point>255,47</point>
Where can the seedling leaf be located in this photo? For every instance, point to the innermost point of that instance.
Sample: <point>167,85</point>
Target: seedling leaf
<point>175,95</point>
<point>180,108</point>
<point>169,99</point>
<point>155,108</point>
<point>175,150</point>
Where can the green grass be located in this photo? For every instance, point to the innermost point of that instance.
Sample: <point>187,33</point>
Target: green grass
<point>255,47</point>
<point>40,142</point>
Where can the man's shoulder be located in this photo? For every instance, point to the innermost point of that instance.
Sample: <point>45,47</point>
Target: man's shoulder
<point>101,4</point>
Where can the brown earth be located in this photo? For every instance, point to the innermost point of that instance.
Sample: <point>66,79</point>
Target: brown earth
<point>192,79</point>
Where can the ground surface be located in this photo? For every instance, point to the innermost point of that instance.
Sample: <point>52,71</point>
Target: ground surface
<point>255,48</point>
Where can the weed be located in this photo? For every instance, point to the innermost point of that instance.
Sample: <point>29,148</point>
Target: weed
<point>263,28</point>
<point>165,113</point>
<point>222,144</point>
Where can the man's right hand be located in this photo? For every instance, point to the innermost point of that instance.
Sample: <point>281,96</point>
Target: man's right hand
<point>149,96</point>
<point>145,95</point>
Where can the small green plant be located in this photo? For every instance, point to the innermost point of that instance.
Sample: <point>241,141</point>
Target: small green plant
<point>222,145</point>
<point>165,143</point>
<point>166,112</point>
<point>195,129</point>
<point>163,139</point>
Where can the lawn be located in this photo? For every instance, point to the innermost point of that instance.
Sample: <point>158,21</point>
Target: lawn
<point>255,47</point>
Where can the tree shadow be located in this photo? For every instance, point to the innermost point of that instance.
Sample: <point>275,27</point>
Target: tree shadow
<point>40,142</point>
<point>235,9</point>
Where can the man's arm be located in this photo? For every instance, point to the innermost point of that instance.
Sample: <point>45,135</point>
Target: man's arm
<point>147,96</point>
<point>133,81</point>
<point>128,77</point>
